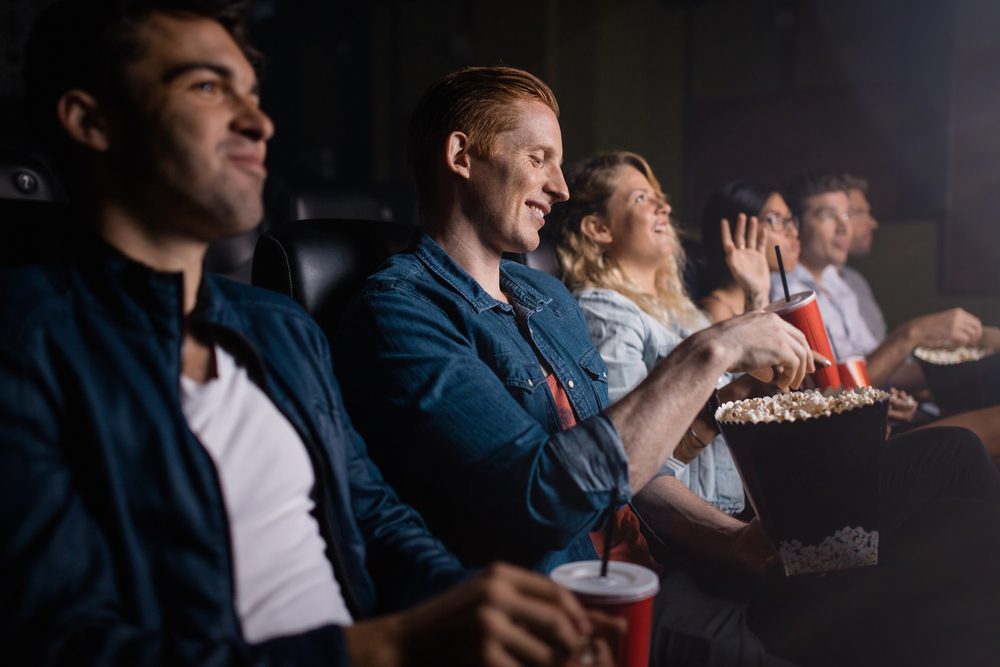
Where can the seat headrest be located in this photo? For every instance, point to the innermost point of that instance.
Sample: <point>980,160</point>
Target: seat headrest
<point>323,263</point>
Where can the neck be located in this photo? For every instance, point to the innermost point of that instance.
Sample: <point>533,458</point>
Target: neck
<point>160,250</point>
<point>642,276</point>
<point>460,238</point>
<point>816,269</point>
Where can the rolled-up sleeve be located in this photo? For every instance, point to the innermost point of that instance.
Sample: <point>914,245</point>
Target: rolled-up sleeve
<point>593,455</point>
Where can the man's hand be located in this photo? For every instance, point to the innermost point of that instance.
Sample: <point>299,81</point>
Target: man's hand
<point>765,346</point>
<point>502,617</point>
<point>902,406</point>
<point>949,327</point>
<point>746,255</point>
<point>752,550</point>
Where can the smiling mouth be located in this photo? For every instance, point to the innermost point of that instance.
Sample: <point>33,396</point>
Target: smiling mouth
<point>538,211</point>
<point>251,164</point>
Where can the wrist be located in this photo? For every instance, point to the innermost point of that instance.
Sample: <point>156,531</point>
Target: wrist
<point>377,642</point>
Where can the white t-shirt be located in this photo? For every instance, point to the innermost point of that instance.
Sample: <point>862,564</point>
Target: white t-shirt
<point>284,581</point>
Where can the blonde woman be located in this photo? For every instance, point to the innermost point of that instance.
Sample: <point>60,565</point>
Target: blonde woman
<point>620,255</point>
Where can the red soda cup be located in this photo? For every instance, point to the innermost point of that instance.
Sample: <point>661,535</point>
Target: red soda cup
<point>853,373</point>
<point>627,591</point>
<point>802,312</point>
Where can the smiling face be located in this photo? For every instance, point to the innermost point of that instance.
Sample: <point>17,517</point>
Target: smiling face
<point>826,234</point>
<point>784,233</point>
<point>638,218</point>
<point>512,189</point>
<point>188,147</point>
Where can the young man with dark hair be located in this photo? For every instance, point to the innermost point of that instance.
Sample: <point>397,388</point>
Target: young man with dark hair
<point>180,483</point>
<point>822,203</point>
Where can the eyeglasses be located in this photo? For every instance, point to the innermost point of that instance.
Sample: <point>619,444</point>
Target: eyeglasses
<point>778,224</point>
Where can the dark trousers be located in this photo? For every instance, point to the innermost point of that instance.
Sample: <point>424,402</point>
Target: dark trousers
<point>933,599</point>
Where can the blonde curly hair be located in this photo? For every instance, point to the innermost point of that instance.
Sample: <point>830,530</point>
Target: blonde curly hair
<point>584,263</point>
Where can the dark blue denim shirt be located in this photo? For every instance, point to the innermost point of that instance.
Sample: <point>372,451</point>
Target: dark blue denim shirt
<point>114,531</point>
<point>445,384</point>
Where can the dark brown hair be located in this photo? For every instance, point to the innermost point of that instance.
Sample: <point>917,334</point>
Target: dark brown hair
<point>809,185</point>
<point>88,45</point>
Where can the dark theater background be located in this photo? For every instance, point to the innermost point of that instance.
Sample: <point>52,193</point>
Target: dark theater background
<point>903,92</point>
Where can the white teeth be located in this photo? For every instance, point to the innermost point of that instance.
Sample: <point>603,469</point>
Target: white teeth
<point>536,210</point>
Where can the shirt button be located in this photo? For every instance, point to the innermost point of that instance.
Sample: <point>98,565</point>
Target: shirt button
<point>530,383</point>
<point>570,384</point>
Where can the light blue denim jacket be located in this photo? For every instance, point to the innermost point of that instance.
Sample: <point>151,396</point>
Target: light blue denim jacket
<point>631,342</point>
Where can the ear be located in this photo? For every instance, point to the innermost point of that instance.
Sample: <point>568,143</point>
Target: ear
<point>81,115</point>
<point>457,154</point>
<point>596,229</point>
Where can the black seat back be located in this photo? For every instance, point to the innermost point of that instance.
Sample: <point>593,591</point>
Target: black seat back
<point>323,263</point>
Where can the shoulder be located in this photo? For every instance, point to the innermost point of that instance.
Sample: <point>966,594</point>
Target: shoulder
<point>400,271</point>
<point>855,279</point>
<point>33,295</point>
<point>606,301</point>
<point>256,300</point>
<point>610,313</point>
<point>270,320</point>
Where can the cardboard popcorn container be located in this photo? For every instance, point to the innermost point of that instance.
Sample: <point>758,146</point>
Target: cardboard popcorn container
<point>810,464</point>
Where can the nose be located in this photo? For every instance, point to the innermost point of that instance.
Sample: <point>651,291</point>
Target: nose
<point>843,224</point>
<point>251,121</point>
<point>556,184</point>
<point>663,204</point>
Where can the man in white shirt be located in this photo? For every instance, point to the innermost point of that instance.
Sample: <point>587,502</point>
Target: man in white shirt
<point>180,482</point>
<point>822,205</point>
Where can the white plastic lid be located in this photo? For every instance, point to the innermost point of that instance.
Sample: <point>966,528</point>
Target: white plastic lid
<point>797,300</point>
<point>626,582</point>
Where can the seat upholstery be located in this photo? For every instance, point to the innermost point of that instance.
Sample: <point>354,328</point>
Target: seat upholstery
<point>36,221</point>
<point>323,263</point>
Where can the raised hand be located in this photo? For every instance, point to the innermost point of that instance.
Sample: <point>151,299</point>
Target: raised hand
<point>746,255</point>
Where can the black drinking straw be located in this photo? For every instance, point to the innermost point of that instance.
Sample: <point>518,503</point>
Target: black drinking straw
<point>609,533</point>
<point>781,270</point>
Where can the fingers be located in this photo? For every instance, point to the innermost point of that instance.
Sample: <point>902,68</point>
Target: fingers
<point>505,643</point>
<point>763,238</point>
<point>739,237</point>
<point>751,236</point>
<point>539,618</point>
<point>727,236</point>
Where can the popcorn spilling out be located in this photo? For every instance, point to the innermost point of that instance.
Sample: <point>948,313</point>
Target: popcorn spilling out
<point>797,406</point>
<point>949,355</point>
<point>846,548</point>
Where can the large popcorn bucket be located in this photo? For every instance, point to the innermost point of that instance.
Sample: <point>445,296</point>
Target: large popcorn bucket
<point>813,482</point>
<point>960,381</point>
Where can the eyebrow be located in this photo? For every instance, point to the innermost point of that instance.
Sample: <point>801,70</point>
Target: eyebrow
<point>221,70</point>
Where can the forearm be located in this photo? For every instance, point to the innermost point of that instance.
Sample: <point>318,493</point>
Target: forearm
<point>653,418</point>
<point>883,361</point>
<point>674,512</point>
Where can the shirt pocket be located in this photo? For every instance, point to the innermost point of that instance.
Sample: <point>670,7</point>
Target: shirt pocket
<point>519,376</point>
<point>593,369</point>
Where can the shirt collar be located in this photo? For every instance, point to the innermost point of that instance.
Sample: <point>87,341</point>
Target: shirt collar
<point>448,270</point>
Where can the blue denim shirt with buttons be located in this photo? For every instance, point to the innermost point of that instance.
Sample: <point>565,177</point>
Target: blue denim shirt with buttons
<point>446,385</point>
